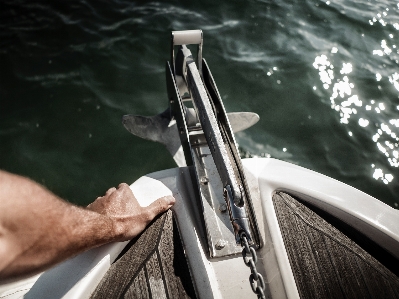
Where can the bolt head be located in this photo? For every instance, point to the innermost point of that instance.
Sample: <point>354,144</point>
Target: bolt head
<point>223,208</point>
<point>220,244</point>
<point>204,180</point>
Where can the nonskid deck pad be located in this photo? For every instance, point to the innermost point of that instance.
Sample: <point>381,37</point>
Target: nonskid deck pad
<point>152,266</point>
<point>326,263</point>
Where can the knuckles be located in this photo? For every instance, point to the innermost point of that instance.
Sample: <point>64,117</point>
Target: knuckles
<point>123,186</point>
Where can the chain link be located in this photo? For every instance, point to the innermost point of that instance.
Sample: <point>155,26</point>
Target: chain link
<point>255,279</point>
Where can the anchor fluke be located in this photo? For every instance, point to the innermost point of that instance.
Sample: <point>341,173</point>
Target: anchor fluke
<point>239,121</point>
<point>162,128</point>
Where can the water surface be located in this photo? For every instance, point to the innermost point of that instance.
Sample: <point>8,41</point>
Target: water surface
<point>322,75</point>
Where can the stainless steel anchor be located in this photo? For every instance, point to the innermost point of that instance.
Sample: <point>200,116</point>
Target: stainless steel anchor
<point>199,133</point>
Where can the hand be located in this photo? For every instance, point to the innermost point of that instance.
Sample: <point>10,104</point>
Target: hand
<point>128,217</point>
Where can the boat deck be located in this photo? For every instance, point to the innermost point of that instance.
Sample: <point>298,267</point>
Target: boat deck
<point>152,266</point>
<point>327,263</point>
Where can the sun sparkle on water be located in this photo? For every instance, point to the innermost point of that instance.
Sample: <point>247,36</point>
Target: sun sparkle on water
<point>347,104</point>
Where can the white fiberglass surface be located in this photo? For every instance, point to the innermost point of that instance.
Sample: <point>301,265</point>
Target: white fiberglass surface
<point>369,215</point>
<point>278,175</point>
<point>373,218</point>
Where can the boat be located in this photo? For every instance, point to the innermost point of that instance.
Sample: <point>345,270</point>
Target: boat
<point>240,228</point>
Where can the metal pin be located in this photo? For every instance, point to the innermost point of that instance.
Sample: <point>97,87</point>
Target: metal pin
<point>220,244</point>
<point>223,208</point>
<point>204,180</point>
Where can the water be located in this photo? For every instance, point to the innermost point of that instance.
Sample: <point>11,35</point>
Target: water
<point>322,75</point>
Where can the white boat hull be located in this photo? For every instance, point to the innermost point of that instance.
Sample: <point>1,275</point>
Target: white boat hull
<point>226,277</point>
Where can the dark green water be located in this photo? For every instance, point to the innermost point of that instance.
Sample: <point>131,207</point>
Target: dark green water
<point>322,75</point>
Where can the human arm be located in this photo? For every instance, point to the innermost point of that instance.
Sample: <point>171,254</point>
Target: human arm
<point>38,229</point>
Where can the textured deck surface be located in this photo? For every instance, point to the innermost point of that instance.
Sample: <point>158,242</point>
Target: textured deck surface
<point>154,266</point>
<point>326,263</point>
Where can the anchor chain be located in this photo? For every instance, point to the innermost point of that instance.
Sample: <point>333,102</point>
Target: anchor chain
<point>255,279</point>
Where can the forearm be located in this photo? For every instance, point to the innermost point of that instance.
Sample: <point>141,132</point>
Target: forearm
<point>38,229</point>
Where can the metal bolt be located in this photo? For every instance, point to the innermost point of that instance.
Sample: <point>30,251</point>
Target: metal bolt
<point>220,244</point>
<point>223,208</point>
<point>204,180</point>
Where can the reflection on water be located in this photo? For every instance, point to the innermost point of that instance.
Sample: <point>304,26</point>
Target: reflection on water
<point>348,104</point>
<point>341,98</point>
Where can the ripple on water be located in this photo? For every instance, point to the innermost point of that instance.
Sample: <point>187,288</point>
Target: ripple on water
<point>322,75</point>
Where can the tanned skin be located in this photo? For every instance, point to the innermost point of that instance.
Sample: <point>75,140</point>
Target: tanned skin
<point>39,229</point>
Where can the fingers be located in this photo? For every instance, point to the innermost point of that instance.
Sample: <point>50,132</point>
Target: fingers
<point>123,185</point>
<point>124,188</point>
<point>159,206</point>
<point>110,191</point>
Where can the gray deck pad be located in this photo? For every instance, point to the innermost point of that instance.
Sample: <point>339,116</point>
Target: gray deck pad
<point>152,266</point>
<point>325,262</point>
